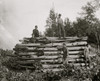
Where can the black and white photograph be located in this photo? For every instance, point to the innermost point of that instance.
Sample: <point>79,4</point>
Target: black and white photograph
<point>49,40</point>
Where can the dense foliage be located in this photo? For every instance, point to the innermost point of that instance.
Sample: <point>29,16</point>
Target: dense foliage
<point>85,25</point>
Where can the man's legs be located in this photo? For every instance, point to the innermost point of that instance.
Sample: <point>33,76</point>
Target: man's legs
<point>59,30</point>
<point>63,31</point>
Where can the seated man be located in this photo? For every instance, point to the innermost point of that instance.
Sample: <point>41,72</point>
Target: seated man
<point>35,32</point>
<point>34,35</point>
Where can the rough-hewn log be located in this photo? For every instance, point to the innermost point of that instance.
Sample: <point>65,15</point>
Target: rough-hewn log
<point>79,64</point>
<point>53,70</point>
<point>50,53</point>
<point>51,44</point>
<point>75,56</point>
<point>29,44</point>
<point>56,38</point>
<point>55,56</point>
<point>39,58</point>
<point>68,44</point>
<point>52,66</point>
<point>55,48</point>
<point>27,67</point>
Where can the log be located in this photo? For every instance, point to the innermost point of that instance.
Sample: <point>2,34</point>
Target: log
<point>74,59</point>
<point>43,49</point>
<point>83,38</point>
<point>68,44</point>
<point>29,67</point>
<point>75,52</point>
<point>75,56</point>
<point>25,62</point>
<point>53,70</point>
<point>43,62</point>
<point>39,58</point>
<point>51,53</point>
<point>52,61</point>
<point>27,53</point>
<point>60,52</point>
<point>55,48</point>
<point>52,41</point>
<point>61,40</point>
<point>79,64</point>
<point>50,57</point>
<point>34,53</point>
<point>29,44</point>
<point>45,66</point>
<point>55,38</point>
<point>76,48</point>
<point>50,44</point>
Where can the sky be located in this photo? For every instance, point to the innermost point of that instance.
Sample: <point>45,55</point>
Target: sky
<point>19,17</point>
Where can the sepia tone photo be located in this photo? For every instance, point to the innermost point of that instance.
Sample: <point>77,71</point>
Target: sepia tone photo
<point>49,40</point>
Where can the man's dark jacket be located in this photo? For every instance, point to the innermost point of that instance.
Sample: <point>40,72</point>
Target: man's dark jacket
<point>36,33</point>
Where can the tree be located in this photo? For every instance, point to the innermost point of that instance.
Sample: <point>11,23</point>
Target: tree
<point>89,16</point>
<point>80,26</point>
<point>51,28</point>
<point>68,27</point>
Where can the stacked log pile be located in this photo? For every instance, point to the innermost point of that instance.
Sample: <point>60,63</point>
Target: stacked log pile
<point>45,51</point>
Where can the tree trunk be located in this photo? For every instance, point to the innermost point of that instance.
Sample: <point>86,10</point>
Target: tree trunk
<point>97,38</point>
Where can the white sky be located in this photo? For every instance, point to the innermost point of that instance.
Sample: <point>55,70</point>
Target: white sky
<point>20,16</point>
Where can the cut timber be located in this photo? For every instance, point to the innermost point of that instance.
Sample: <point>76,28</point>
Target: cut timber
<point>25,62</point>
<point>49,60</point>
<point>50,53</point>
<point>27,54</point>
<point>40,58</point>
<point>56,52</point>
<point>53,56</point>
<point>55,48</point>
<point>43,62</point>
<point>52,66</point>
<point>76,48</point>
<point>56,38</point>
<point>49,57</point>
<point>69,44</point>
<point>53,63</point>
<point>52,41</point>
<point>51,44</point>
<point>53,70</point>
<point>76,56</point>
<point>75,52</point>
<point>45,53</point>
<point>73,60</point>
<point>79,64</point>
<point>28,67</point>
<point>30,44</point>
<point>44,49</point>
